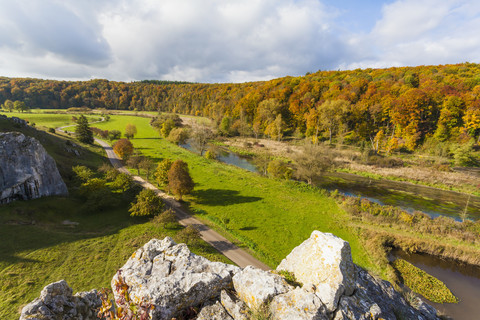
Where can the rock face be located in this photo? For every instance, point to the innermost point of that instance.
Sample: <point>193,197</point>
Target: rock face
<point>173,281</point>
<point>323,262</point>
<point>171,278</point>
<point>57,302</point>
<point>26,170</point>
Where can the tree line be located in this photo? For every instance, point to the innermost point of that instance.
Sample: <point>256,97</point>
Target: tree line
<point>389,109</point>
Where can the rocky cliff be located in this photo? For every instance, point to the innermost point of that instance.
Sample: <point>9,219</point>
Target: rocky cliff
<point>166,280</point>
<point>26,170</point>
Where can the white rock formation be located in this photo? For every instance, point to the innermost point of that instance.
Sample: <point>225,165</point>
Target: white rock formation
<point>57,302</point>
<point>26,170</point>
<point>172,278</point>
<point>256,287</point>
<point>298,304</point>
<point>323,262</point>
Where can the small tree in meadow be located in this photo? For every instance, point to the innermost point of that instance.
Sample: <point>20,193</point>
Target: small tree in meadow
<point>179,180</point>
<point>147,204</point>
<point>123,148</point>
<point>161,174</point>
<point>165,219</point>
<point>147,165</point>
<point>130,131</point>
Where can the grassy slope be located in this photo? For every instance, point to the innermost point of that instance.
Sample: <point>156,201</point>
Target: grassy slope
<point>33,255</point>
<point>268,215</point>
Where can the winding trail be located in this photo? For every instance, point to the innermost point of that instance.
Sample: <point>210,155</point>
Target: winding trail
<point>239,256</point>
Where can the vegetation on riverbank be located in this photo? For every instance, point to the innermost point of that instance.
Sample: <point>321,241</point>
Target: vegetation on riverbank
<point>422,283</point>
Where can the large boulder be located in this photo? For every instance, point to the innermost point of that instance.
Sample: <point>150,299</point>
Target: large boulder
<point>256,287</point>
<point>323,262</point>
<point>57,302</point>
<point>169,277</point>
<point>26,170</point>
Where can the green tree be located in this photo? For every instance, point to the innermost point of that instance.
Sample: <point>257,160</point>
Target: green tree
<point>130,131</point>
<point>85,134</point>
<point>122,182</point>
<point>161,173</point>
<point>147,165</point>
<point>167,127</point>
<point>279,169</point>
<point>20,106</point>
<point>147,204</point>
<point>200,137</point>
<point>179,180</point>
<point>8,105</point>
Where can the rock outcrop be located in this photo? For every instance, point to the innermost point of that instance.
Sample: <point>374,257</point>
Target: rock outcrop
<point>324,263</point>
<point>57,302</point>
<point>26,170</point>
<point>169,277</point>
<point>171,280</point>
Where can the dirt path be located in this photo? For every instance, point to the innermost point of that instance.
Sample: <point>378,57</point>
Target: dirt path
<point>234,253</point>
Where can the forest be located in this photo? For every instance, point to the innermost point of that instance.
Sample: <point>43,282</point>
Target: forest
<point>388,109</point>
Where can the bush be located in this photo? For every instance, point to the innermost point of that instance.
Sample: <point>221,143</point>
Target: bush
<point>165,219</point>
<point>114,135</point>
<point>178,135</point>
<point>188,235</point>
<point>147,204</point>
<point>279,169</point>
<point>51,130</point>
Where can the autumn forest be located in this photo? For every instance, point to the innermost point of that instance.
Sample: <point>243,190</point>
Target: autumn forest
<point>386,109</point>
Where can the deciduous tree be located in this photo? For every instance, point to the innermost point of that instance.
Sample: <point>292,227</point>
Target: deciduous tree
<point>123,148</point>
<point>130,131</point>
<point>179,180</point>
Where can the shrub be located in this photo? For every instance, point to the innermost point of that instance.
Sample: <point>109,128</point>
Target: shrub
<point>188,235</point>
<point>165,219</point>
<point>51,130</point>
<point>279,169</point>
<point>178,135</point>
<point>147,204</point>
<point>122,182</point>
<point>83,173</point>
<point>114,135</point>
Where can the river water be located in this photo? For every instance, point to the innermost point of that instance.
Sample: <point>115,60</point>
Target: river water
<point>407,196</point>
<point>462,280</point>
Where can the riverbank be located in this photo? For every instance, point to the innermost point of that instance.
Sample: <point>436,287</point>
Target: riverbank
<point>350,160</point>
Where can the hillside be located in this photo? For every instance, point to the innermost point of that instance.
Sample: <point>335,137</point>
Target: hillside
<point>390,109</point>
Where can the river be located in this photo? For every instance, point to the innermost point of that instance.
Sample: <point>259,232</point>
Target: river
<point>408,196</point>
<point>462,280</point>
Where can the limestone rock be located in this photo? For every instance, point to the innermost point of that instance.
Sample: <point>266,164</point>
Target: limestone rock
<point>377,299</point>
<point>26,170</point>
<point>234,306</point>
<point>172,278</point>
<point>57,302</point>
<point>213,312</point>
<point>255,286</point>
<point>298,305</point>
<point>324,261</point>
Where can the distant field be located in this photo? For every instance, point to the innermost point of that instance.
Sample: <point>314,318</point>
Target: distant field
<point>48,120</point>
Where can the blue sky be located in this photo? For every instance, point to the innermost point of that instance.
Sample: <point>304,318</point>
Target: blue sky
<point>230,40</point>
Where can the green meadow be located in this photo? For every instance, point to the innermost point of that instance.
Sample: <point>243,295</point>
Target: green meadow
<point>37,249</point>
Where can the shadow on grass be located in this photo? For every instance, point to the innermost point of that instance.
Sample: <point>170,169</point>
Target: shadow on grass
<point>221,197</point>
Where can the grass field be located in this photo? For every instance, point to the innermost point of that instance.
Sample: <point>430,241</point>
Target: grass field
<point>37,249</point>
<point>269,216</point>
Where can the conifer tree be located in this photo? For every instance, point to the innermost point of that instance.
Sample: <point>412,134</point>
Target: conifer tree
<point>83,130</point>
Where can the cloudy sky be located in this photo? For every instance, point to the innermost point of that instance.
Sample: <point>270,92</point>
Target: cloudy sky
<point>229,40</point>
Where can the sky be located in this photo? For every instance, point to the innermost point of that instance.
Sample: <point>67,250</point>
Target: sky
<point>230,40</point>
